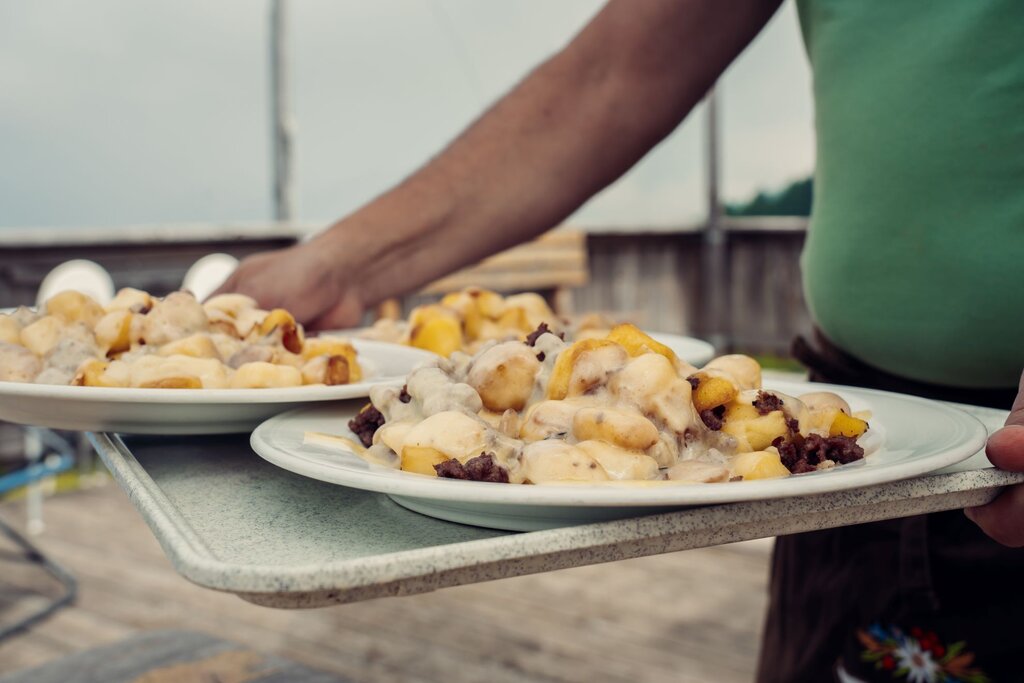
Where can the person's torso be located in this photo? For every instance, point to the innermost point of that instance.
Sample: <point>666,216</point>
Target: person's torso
<point>915,259</point>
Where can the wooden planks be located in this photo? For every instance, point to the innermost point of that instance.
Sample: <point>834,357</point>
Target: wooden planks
<point>693,616</point>
<point>171,657</point>
<point>554,260</point>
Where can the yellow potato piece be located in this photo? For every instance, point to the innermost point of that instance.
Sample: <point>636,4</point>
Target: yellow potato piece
<point>759,465</point>
<point>515,318</point>
<point>153,370</point>
<point>465,308</point>
<point>74,307</point>
<point>421,459</point>
<point>624,428</point>
<point>10,330</point>
<point>194,346</point>
<point>93,373</point>
<point>259,375</point>
<point>712,392</point>
<point>847,425</point>
<point>424,314</point>
<point>504,376</point>
<point>42,335</point>
<point>535,307</point>
<point>334,346</point>
<point>621,463</point>
<point>744,371</point>
<point>132,299</point>
<point>758,432</point>
<point>183,382</point>
<point>637,343</point>
<point>113,331</point>
<point>280,320</point>
<point>490,304</point>
<point>441,335</point>
<point>561,374</point>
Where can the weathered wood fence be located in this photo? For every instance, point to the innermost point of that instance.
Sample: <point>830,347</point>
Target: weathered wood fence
<point>653,278</point>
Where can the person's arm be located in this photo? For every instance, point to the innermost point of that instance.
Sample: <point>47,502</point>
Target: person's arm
<point>1003,518</point>
<point>574,125</point>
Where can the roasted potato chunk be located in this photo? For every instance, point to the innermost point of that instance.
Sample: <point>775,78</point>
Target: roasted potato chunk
<point>43,334</point>
<point>441,335</point>
<point>624,428</point>
<point>113,332</point>
<point>10,329</point>
<point>847,425</point>
<point>505,376</point>
<point>421,459</point>
<point>637,343</point>
<point>759,465</point>
<point>744,371</point>
<point>712,391</point>
<point>74,307</point>
<point>567,380</point>
<point>265,375</point>
<point>281,323</point>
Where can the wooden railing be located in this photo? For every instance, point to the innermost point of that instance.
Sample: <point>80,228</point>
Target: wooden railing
<point>652,277</point>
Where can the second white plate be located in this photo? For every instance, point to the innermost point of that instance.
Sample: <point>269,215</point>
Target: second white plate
<point>694,351</point>
<point>192,411</point>
<point>911,437</point>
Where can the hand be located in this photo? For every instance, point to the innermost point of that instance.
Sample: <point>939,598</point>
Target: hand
<point>1003,518</point>
<point>309,280</point>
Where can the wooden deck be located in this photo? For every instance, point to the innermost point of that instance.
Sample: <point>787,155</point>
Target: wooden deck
<point>685,617</point>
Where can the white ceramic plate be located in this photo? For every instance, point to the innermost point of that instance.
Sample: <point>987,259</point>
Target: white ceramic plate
<point>909,437</point>
<point>192,411</point>
<point>693,351</point>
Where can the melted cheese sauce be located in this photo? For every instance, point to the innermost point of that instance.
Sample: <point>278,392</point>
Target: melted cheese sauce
<point>622,419</point>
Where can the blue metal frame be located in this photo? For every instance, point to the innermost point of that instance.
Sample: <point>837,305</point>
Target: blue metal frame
<point>33,472</point>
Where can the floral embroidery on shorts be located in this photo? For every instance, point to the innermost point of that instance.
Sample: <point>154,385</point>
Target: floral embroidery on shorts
<point>919,656</point>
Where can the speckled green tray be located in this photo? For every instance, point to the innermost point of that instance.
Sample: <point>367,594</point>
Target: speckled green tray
<point>230,521</point>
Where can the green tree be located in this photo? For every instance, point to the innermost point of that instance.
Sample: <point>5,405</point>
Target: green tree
<point>793,200</point>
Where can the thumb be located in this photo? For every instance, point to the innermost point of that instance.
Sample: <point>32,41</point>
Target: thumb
<point>1006,447</point>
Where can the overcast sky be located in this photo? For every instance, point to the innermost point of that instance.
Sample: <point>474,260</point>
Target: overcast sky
<point>128,111</point>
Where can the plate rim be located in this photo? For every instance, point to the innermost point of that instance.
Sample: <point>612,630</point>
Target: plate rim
<point>582,495</point>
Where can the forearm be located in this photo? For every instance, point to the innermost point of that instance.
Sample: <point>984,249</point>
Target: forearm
<point>570,128</point>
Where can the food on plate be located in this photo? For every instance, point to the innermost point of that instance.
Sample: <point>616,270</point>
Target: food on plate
<point>466,320</point>
<point>174,342</point>
<point>618,408</point>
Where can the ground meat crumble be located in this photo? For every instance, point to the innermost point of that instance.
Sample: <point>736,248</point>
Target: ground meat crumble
<point>805,453</point>
<point>713,418</point>
<point>365,424</point>
<point>480,468</point>
<point>766,403</point>
<point>531,339</point>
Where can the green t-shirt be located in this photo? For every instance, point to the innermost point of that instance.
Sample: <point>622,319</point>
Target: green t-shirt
<point>915,259</point>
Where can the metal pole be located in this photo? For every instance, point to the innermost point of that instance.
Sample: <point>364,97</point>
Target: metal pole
<point>282,129</point>
<point>715,266</point>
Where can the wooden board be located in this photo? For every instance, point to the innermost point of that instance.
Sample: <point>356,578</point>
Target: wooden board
<point>685,617</point>
<point>171,657</point>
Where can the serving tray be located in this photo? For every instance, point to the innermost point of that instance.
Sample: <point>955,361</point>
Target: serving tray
<point>230,521</point>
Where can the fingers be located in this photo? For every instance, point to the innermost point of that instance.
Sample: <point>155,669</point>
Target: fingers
<point>1006,448</point>
<point>1003,518</point>
<point>344,314</point>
